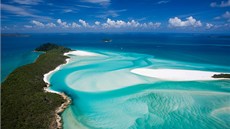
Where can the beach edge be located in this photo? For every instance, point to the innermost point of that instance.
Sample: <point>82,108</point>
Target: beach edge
<point>67,99</point>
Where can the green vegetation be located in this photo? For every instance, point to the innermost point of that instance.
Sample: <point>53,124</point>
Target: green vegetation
<point>221,75</point>
<point>47,47</point>
<point>24,103</point>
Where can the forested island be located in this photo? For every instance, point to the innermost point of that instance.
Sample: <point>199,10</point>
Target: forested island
<point>24,103</point>
<point>221,75</point>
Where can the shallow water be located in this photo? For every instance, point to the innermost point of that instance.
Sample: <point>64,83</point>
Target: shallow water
<point>106,94</point>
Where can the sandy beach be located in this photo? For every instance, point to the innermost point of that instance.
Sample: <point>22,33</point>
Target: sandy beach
<point>175,74</point>
<point>65,97</point>
<point>81,53</point>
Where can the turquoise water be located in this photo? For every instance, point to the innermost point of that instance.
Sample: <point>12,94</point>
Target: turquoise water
<point>201,48</point>
<point>15,60</point>
<point>106,94</point>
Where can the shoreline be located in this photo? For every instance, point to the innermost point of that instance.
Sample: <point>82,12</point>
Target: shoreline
<point>67,99</point>
<point>81,53</point>
<point>26,90</point>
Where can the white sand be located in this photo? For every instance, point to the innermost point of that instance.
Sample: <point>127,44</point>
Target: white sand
<point>65,97</point>
<point>46,77</point>
<point>175,74</point>
<point>81,53</point>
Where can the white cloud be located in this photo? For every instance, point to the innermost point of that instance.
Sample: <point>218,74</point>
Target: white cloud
<point>19,11</point>
<point>217,18</point>
<point>97,23</point>
<point>84,23</point>
<point>75,25</point>
<point>163,2</point>
<point>28,2</point>
<point>225,26</point>
<point>221,4</point>
<point>190,21</point>
<point>154,25</point>
<point>226,15</point>
<point>68,10</point>
<point>110,13</point>
<point>40,24</point>
<point>37,23</point>
<point>28,26</point>
<point>108,24</point>
<point>63,24</point>
<point>133,23</point>
<point>209,25</point>
<point>51,25</point>
<point>114,24</point>
<point>86,6</point>
<point>130,24</point>
<point>15,10</point>
<point>101,2</point>
<point>97,1</point>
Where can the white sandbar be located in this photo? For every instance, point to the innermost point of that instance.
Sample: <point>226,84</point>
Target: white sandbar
<point>81,53</point>
<point>175,74</point>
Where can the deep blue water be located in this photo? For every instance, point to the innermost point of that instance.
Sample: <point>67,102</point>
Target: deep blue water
<point>202,48</point>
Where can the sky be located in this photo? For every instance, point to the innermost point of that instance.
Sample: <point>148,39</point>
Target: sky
<point>184,16</point>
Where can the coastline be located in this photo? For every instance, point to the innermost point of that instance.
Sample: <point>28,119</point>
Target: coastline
<point>60,109</point>
<point>23,93</point>
<point>67,99</point>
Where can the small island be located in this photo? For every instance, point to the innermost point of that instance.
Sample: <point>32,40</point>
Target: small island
<point>14,35</point>
<point>222,75</point>
<point>107,40</point>
<point>25,104</point>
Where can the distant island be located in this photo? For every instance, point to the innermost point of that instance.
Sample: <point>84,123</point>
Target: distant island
<point>107,40</point>
<point>14,35</point>
<point>221,75</point>
<point>24,104</point>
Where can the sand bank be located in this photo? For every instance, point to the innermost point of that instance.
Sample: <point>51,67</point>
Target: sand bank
<point>81,53</point>
<point>175,74</point>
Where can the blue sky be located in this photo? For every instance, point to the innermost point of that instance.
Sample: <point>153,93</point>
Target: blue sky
<point>188,16</point>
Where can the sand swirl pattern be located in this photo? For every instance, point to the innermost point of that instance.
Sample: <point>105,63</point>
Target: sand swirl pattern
<point>107,94</point>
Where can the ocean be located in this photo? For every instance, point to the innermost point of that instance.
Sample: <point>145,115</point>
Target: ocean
<point>105,94</point>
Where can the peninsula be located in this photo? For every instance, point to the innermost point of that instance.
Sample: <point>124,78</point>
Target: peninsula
<point>24,103</point>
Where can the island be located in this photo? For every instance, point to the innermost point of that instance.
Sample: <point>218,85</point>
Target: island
<point>107,40</point>
<point>14,35</point>
<point>222,75</point>
<point>25,104</point>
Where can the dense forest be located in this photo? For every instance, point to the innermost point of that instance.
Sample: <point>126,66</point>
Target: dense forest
<point>24,104</point>
<point>221,75</point>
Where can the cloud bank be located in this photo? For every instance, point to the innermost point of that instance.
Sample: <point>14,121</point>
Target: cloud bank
<point>190,21</point>
<point>108,24</point>
<point>221,4</point>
